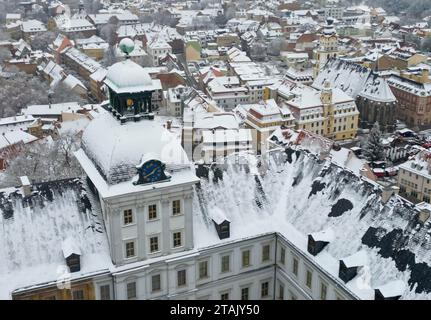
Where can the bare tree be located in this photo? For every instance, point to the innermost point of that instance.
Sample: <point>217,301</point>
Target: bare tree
<point>275,46</point>
<point>42,40</point>
<point>4,55</point>
<point>109,57</point>
<point>108,31</point>
<point>92,7</point>
<point>46,161</point>
<point>62,93</point>
<point>19,91</point>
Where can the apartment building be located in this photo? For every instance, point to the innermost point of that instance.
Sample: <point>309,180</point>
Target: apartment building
<point>218,144</point>
<point>413,92</point>
<point>172,100</point>
<point>414,178</point>
<point>227,92</point>
<point>157,49</point>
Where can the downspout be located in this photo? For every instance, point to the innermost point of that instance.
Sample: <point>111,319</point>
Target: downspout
<point>275,266</point>
<point>114,296</point>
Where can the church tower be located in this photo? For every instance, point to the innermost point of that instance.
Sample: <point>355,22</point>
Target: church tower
<point>328,107</point>
<point>328,46</point>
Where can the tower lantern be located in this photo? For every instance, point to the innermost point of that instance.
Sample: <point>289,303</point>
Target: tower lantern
<point>130,87</point>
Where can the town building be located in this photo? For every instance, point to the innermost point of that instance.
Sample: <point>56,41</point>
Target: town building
<point>227,92</point>
<point>329,112</point>
<point>72,26</point>
<point>372,93</point>
<point>263,119</point>
<point>414,178</point>
<point>413,92</point>
<point>158,49</point>
<point>30,28</point>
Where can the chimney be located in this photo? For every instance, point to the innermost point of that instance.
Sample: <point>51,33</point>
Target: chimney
<point>349,266</point>
<point>25,185</point>
<point>169,124</point>
<point>388,192</point>
<point>425,77</point>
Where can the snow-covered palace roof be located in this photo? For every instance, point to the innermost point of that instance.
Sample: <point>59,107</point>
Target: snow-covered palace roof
<point>300,195</point>
<point>34,227</point>
<point>354,79</point>
<point>116,149</point>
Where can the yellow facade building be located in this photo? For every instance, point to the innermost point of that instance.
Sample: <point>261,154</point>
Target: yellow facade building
<point>328,112</point>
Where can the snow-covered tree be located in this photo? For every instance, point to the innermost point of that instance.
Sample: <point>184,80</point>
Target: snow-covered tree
<point>373,148</point>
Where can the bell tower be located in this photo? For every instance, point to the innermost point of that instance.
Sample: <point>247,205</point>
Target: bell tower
<point>130,88</point>
<point>328,46</point>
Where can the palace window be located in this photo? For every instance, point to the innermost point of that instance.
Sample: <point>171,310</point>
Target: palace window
<point>225,263</point>
<point>309,279</point>
<point>203,269</point>
<point>245,293</point>
<point>131,290</point>
<point>130,249</point>
<point>246,258</point>
<point>105,292</point>
<point>265,253</point>
<point>154,244</point>
<point>264,289</point>
<point>176,207</point>
<point>323,291</point>
<point>152,212</point>
<point>181,278</point>
<point>177,239</point>
<point>155,283</point>
<point>128,216</point>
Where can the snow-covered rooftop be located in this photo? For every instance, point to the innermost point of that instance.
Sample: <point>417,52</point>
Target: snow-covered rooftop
<point>53,109</point>
<point>117,149</point>
<point>128,76</point>
<point>304,195</point>
<point>34,228</point>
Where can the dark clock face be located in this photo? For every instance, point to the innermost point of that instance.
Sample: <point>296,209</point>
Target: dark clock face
<point>152,171</point>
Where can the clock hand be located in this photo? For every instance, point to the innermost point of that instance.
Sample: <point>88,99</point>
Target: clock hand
<point>154,170</point>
